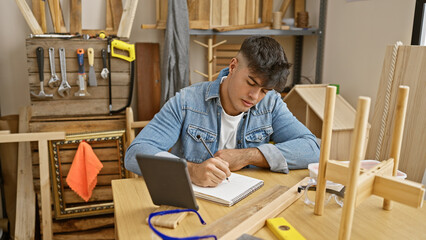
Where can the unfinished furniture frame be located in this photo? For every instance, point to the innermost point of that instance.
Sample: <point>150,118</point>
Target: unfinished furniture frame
<point>42,139</point>
<point>210,58</point>
<point>64,208</point>
<point>379,180</point>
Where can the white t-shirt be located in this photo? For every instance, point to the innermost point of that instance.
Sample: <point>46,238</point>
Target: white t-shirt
<point>228,129</point>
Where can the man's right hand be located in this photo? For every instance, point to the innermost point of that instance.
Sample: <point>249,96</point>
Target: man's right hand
<point>209,173</point>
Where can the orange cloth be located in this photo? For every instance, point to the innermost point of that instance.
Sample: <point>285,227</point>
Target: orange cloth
<point>82,177</point>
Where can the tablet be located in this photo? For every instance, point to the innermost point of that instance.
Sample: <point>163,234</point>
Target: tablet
<point>167,180</point>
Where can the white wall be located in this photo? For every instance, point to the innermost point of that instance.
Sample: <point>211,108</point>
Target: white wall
<point>357,33</point>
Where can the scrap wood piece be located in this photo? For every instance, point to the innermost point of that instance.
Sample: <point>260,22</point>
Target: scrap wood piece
<point>109,25</point>
<point>29,17</point>
<point>127,18</point>
<point>252,216</point>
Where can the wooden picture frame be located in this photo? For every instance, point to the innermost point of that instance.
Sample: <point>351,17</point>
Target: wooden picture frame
<point>109,148</point>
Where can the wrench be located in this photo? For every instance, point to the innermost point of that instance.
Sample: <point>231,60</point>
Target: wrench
<point>54,80</point>
<point>104,73</point>
<point>64,87</point>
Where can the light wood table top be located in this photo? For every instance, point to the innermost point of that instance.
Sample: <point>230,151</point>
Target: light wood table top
<point>133,204</point>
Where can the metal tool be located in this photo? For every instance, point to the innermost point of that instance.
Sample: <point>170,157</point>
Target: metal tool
<point>92,76</point>
<point>104,73</point>
<point>54,80</point>
<point>64,87</point>
<point>65,36</point>
<point>130,48</point>
<point>82,92</point>
<point>40,62</point>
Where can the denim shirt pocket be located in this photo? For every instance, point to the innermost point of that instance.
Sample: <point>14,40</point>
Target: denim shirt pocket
<point>194,148</point>
<point>205,134</point>
<point>259,135</point>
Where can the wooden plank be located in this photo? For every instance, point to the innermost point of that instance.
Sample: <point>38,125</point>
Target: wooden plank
<point>267,11</point>
<point>251,216</point>
<point>127,18</point>
<point>28,137</point>
<point>224,13</point>
<point>241,12</point>
<point>403,191</point>
<point>117,11</point>
<point>216,12</point>
<point>75,16</point>
<point>148,80</point>
<point>408,71</point>
<point>60,27</point>
<point>250,12</point>
<point>64,108</point>
<point>77,126</point>
<point>233,9</point>
<point>46,221</point>
<point>102,233</point>
<point>25,196</point>
<point>39,12</point>
<point>29,17</point>
<point>82,224</point>
<point>109,25</point>
<point>238,27</point>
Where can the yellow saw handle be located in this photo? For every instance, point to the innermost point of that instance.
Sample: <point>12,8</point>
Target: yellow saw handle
<point>130,48</point>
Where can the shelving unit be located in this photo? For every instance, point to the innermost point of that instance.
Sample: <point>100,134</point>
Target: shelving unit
<point>299,35</point>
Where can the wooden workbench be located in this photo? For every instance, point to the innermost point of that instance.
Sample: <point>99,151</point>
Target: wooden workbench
<point>133,205</point>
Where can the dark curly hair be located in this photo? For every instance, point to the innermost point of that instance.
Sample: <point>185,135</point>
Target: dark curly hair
<point>266,58</point>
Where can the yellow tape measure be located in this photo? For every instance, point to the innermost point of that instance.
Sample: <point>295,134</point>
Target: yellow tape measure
<point>283,230</point>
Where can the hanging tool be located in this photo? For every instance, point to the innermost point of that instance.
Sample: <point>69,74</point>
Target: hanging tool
<point>104,73</point>
<point>82,92</point>
<point>54,80</point>
<point>130,48</point>
<point>92,76</point>
<point>65,86</point>
<point>40,62</point>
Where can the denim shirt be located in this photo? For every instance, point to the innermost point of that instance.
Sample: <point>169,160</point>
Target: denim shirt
<point>196,111</point>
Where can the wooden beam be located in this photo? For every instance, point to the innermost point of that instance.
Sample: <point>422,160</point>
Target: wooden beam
<point>25,195</point>
<point>127,18</point>
<point>57,16</point>
<point>252,216</point>
<point>267,11</point>
<point>109,25</point>
<point>29,17</point>
<point>238,27</point>
<point>284,6</point>
<point>30,137</point>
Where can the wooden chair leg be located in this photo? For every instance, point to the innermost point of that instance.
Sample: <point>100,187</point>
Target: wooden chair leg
<point>327,127</point>
<point>357,146</point>
<point>397,133</point>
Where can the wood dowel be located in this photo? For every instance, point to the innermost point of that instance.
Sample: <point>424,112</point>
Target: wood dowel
<point>357,146</point>
<point>327,127</point>
<point>202,74</point>
<point>139,124</point>
<point>200,43</point>
<point>219,43</point>
<point>397,133</point>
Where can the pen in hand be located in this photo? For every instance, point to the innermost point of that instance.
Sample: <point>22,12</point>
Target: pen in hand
<point>208,150</point>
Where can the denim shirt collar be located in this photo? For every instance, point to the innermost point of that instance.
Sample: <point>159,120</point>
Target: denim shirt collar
<point>213,90</point>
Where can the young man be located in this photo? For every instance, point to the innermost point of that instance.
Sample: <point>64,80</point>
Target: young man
<point>237,116</point>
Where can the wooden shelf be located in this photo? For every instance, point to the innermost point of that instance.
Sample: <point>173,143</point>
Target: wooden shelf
<point>242,32</point>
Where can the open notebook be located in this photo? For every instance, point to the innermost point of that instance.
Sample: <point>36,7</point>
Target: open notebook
<point>229,193</point>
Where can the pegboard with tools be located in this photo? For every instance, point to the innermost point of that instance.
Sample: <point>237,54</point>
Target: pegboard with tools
<point>75,86</point>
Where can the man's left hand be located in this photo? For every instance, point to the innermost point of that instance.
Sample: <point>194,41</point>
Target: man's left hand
<point>239,158</point>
